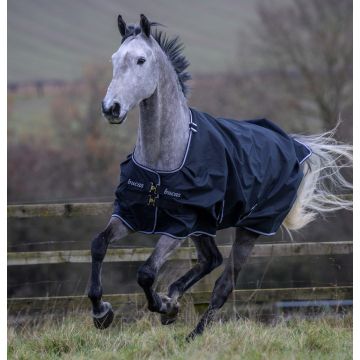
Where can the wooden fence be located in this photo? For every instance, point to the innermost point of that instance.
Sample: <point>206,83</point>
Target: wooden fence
<point>141,254</point>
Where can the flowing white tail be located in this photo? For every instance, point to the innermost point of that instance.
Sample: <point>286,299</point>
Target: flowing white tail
<point>323,186</point>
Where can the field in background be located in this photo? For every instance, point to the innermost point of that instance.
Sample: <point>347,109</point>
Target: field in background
<point>54,40</point>
<point>76,338</point>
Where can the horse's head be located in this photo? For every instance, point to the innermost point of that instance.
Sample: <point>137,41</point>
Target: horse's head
<point>135,71</point>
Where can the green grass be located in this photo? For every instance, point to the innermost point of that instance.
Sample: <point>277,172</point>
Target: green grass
<point>75,338</point>
<point>54,39</point>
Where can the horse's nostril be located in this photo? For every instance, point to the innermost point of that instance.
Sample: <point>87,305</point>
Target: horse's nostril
<point>115,110</point>
<point>112,111</point>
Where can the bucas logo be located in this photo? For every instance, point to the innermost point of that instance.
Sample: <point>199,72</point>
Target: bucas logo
<point>171,193</point>
<point>135,183</point>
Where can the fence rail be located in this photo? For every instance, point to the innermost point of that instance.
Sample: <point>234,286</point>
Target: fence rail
<point>183,253</point>
<point>141,254</point>
<point>63,210</point>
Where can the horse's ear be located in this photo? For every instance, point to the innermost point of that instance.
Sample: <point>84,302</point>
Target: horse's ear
<point>145,25</point>
<point>121,26</point>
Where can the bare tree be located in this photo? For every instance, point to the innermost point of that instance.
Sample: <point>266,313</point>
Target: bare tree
<point>309,44</point>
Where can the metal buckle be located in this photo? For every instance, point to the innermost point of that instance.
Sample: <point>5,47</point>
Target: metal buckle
<point>151,200</point>
<point>153,195</point>
<point>153,188</point>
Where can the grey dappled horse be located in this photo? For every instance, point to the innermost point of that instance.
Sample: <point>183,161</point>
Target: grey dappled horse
<point>149,71</point>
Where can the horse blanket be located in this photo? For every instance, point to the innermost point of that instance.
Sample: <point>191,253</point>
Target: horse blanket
<point>234,174</point>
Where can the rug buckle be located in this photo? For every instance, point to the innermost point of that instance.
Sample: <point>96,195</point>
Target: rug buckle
<point>153,188</point>
<point>151,200</point>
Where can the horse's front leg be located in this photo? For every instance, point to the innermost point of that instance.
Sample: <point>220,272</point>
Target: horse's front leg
<point>148,271</point>
<point>224,285</point>
<point>101,311</point>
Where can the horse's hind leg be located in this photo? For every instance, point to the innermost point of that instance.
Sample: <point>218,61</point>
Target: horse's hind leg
<point>209,258</point>
<point>241,249</point>
<point>148,271</point>
<point>102,311</point>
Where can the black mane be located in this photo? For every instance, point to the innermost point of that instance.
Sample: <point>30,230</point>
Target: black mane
<point>172,47</point>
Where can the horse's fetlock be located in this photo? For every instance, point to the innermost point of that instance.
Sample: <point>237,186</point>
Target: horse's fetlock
<point>95,293</point>
<point>99,247</point>
<point>175,289</point>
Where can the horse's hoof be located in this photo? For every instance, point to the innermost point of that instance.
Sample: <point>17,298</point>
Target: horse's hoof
<point>103,321</point>
<point>168,319</point>
<point>191,337</point>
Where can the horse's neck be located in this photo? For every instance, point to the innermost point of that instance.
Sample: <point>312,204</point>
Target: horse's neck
<point>164,127</point>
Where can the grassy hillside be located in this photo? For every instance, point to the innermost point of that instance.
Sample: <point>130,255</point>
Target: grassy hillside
<point>75,338</point>
<point>54,39</point>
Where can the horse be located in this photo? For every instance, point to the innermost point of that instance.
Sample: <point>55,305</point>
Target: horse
<point>191,175</point>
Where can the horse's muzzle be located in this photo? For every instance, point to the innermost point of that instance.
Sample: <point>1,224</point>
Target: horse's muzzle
<point>112,113</point>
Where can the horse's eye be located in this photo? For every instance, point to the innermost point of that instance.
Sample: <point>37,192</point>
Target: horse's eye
<point>140,60</point>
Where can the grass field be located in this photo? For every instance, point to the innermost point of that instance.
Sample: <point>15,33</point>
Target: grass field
<point>75,338</point>
<point>54,39</point>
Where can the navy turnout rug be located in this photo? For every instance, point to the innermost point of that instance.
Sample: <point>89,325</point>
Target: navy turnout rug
<point>234,174</point>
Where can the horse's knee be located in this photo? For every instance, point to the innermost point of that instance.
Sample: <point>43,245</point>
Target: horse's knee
<point>115,230</point>
<point>145,276</point>
<point>98,246</point>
